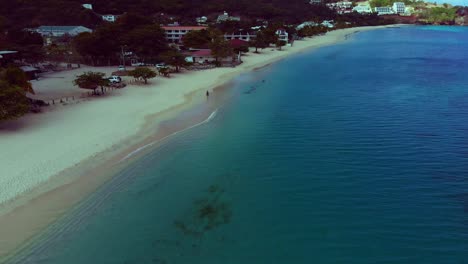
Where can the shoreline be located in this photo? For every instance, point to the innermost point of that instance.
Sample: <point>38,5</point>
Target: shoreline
<point>49,200</point>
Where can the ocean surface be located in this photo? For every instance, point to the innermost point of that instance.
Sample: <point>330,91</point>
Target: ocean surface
<point>353,153</point>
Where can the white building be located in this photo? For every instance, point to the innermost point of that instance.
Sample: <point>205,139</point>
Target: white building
<point>328,23</point>
<point>306,24</point>
<point>362,9</point>
<point>399,7</point>
<point>87,6</point>
<point>174,34</point>
<point>384,10</point>
<point>341,7</point>
<point>246,36</point>
<point>202,20</point>
<point>282,34</point>
<point>109,18</point>
<point>315,2</point>
<point>225,17</point>
<point>58,31</point>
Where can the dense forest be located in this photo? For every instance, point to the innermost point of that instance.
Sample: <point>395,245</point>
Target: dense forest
<point>32,13</point>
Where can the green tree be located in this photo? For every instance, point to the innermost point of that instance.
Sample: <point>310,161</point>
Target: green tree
<point>174,58</point>
<point>280,43</point>
<point>147,41</point>
<point>259,42</point>
<point>197,39</point>
<point>91,80</point>
<point>15,77</point>
<point>13,101</point>
<point>220,48</point>
<point>143,73</point>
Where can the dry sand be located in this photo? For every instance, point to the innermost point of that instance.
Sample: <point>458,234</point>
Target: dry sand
<point>38,149</point>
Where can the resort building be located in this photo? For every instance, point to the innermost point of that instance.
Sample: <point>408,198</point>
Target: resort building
<point>399,7</point>
<point>110,18</point>
<point>58,31</point>
<point>342,7</point>
<point>384,10</point>
<point>246,36</point>
<point>249,36</point>
<point>174,34</point>
<point>225,17</point>
<point>363,9</point>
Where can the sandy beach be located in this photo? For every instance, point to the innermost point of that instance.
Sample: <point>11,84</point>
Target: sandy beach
<point>48,159</point>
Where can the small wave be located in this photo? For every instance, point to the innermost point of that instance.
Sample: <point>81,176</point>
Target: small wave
<point>210,117</point>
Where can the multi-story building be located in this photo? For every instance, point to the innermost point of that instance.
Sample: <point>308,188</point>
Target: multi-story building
<point>246,36</point>
<point>399,7</point>
<point>362,9</point>
<point>342,7</point>
<point>249,36</point>
<point>174,34</point>
<point>384,10</point>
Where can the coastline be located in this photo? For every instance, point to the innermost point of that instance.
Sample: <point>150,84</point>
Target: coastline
<point>69,184</point>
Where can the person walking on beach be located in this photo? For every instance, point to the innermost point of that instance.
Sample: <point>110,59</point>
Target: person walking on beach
<point>207,94</point>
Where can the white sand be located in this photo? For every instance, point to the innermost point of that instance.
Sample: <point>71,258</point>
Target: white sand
<point>43,145</point>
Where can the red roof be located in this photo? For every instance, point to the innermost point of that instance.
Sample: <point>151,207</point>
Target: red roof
<point>183,28</point>
<point>238,43</point>
<point>202,53</point>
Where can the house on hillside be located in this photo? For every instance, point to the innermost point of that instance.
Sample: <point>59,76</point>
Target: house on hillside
<point>399,7</point>
<point>306,24</point>
<point>315,2</point>
<point>87,6</point>
<point>174,34</point>
<point>384,10</point>
<point>58,31</point>
<point>225,17</point>
<point>342,7</point>
<point>110,18</point>
<point>363,9</point>
<point>202,20</point>
<point>328,23</point>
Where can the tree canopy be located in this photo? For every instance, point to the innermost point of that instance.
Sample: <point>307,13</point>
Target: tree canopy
<point>91,80</point>
<point>197,39</point>
<point>174,58</point>
<point>143,73</point>
<point>13,88</point>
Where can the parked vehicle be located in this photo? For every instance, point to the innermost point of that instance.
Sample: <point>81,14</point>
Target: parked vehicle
<point>115,79</point>
<point>137,64</point>
<point>121,68</point>
<point>160,65</point>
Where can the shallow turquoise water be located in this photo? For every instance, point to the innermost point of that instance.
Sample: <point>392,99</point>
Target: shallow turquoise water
<point>355,153</point>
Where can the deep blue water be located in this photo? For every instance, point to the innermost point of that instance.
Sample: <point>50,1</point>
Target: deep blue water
<point>354,153</point>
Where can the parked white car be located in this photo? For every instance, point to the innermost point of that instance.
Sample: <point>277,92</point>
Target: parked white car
<point>121,68</point>
<point>115,79</point>
<point>137,64</point>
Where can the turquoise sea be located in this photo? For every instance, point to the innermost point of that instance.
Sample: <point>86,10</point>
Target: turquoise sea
<point>353,153</point>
